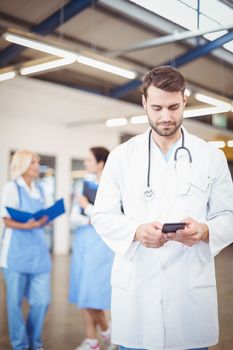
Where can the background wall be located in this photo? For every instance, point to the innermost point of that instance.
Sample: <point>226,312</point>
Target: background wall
<point>39,116</point>
<point>34,115</point>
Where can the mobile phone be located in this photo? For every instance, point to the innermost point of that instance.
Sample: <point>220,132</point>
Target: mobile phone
<point>173,226</point>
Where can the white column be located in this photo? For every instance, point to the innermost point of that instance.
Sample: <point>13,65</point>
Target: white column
<point>4,161</point>
<point>61,241</point>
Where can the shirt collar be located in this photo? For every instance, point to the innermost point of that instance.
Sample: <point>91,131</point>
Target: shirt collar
<point>21,182</point>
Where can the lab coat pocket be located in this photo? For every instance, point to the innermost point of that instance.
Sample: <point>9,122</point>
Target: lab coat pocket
<point>123,273</point>
<point>200,184</point>
<point>199,194</point>
<point>201,273</point>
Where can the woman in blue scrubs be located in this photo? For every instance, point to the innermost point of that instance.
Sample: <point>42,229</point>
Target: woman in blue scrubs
<point>24,254</point>
<point>91,261</point>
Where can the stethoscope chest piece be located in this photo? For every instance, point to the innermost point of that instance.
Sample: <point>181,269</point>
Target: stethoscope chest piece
<point>148,194</point>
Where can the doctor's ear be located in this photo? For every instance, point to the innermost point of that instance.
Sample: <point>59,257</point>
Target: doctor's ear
<point>144,101</point>
<point>185,99</point>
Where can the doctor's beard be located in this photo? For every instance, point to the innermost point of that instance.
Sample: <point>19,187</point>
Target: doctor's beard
<point>165,128</point>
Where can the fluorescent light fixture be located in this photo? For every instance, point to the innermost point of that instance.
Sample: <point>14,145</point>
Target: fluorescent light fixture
<point>215,35</point>
<point>7,75</point>
<point>229,46</point>
<point>218,144</point>
<point>198,112</point>
<point>56,51</point>
<point>45,66</point>
<point>37,45</point>
<point>106,67</point>
<point>116,122</point>
<point>230,143</point>
<point>211,100</point>
<point>187,92</point>
<point>140,119</point>
<point>188,113</point>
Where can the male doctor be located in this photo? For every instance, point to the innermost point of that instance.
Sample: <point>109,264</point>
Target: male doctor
<point>163,284</point>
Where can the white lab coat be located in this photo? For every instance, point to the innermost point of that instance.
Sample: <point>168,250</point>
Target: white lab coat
<point>164,298</point>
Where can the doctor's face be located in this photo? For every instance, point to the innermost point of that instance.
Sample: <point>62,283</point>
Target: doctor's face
<point>164,110</point>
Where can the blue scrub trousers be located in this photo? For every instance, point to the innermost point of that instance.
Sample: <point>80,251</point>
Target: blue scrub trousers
<point>123,348</point>
<point>36,289</point>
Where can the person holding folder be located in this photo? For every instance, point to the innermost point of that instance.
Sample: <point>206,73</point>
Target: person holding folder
<point>91,260</point>
<point>24,255</point>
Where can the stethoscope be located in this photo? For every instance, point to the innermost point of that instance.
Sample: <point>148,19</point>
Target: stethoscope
<point>149,193</point>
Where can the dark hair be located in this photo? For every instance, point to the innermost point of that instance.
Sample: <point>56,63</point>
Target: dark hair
<point>100,153</point>
<point>165,78</point>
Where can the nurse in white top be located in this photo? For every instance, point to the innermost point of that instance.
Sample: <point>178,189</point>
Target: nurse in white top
<point>163,285</point>
<point>24,255</point>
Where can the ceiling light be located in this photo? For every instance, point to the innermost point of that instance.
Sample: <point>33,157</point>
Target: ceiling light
<point>7,75</point>
<point>188,113</point>
<point>140,119</point>
<point>38,45</point>
<point>187,92</point>
<point>198,112</point>
<point>230,143</point>
<point>215,35</point>
<point>116,122</point>
<point>229,46</point>
<point>45,66</point>
<point>56,51</point>
<point>106,67</point>
<point>218,144</point>
<point>210,100</point>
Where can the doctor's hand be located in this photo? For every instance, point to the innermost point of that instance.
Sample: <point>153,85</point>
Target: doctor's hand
<point>193,232</point>
<point>82,201</point>
<point>150,235</point>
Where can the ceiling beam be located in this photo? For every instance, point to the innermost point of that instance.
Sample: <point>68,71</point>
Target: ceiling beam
<point>124,89</point>
<point>178,61</point>
<point>47,27</point>
<point>201,50</point>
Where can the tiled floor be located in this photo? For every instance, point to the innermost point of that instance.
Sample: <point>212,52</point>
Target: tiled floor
<point>64,329</point>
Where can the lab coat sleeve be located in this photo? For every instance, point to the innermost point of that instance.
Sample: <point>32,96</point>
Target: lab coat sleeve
<point>220,212</point>
<point>116,229</point>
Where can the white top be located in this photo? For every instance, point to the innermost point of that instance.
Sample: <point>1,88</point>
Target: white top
<point>167,295</point>
<point>78,219</point>
<point>10,198</point>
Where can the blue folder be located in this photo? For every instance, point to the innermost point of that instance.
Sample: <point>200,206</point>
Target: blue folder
<point>89,191</point>
<point>52,212</point>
